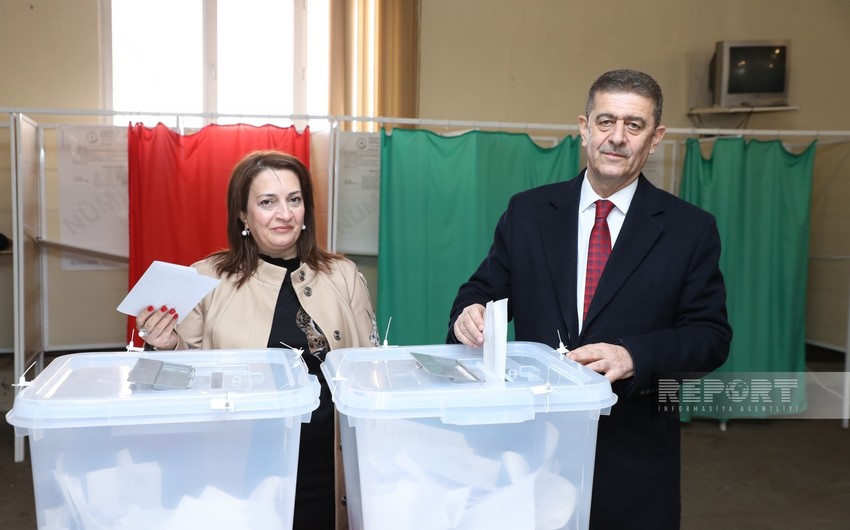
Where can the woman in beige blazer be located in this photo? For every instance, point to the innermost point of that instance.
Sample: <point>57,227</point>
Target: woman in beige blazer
<point>279,289</point>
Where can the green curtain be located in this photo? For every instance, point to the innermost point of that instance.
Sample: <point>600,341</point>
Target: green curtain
<point>760,194</point>
<point>440,200</point>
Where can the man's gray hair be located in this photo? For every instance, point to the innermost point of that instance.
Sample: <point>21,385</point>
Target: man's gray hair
<point>628,81</point>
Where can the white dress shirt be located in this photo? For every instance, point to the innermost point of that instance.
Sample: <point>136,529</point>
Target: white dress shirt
<point>586,217</point>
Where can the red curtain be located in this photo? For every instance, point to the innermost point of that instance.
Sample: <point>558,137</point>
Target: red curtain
<point>178,188</point>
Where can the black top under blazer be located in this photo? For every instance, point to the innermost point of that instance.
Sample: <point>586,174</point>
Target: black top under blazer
<point>661,296</point>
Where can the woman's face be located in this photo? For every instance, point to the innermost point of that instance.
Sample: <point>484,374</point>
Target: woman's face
<point>275,212</point>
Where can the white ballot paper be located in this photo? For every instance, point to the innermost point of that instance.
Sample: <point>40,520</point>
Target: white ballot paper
<point>169,285</point>
<point>495,339</point>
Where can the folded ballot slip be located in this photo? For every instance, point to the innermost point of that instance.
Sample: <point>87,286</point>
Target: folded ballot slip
<point>170,285</point>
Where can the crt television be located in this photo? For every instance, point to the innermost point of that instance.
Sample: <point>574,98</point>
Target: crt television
<point>750,73</point>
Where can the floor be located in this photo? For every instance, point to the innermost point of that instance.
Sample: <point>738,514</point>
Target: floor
<point>756,474</point>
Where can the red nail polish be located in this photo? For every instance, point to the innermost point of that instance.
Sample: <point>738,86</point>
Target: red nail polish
<point>174,317</point>
<point>163,309</point>
<point>172,311</point>
<point>150,309</point>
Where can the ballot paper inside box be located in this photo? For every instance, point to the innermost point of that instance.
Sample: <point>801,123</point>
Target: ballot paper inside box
<point>111,450</point>
<point>431,442</point>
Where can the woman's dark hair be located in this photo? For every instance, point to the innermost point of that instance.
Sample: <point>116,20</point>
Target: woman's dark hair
<point>242,257</point>
<point>629,81</point>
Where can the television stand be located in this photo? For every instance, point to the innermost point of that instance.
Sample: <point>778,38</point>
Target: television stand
<point>737,110</point>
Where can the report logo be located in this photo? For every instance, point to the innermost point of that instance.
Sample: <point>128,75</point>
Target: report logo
<point>737,390</point>
<point>736,394</point>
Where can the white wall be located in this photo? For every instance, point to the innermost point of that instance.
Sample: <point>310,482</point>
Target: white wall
<point>533,61</point>
<point>522,61</point>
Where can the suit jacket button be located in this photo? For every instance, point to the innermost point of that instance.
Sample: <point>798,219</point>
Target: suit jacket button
<point>308,291</point>
<point>337,334</point>
<point>301,276</point>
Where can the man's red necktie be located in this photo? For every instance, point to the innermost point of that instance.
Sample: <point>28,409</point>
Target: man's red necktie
<point>597,251</point>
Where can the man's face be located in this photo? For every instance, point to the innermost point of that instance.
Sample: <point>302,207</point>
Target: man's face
<point>618,137</point>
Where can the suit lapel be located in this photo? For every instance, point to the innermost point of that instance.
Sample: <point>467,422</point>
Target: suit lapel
<point>639,233</point>
<point>559,232</point>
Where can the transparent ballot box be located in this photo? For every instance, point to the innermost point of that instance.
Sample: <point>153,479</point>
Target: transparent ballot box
<point>166,440</point>
<point>432,441</point>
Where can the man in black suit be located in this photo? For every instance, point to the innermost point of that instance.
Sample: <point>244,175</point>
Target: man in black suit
<point>659,308</point>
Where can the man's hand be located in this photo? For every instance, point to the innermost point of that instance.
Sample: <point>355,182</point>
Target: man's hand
<point>613,361</point>
<point>469,326</point>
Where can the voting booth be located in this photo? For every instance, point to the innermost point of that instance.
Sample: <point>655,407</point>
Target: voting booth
<point>432,440</point>
<point>168,440</point>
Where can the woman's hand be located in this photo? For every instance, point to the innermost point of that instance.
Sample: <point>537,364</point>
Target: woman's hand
<point>156,327</point>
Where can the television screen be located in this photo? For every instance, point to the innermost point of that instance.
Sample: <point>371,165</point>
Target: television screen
<point>750,73</point>
<point>756,69</point>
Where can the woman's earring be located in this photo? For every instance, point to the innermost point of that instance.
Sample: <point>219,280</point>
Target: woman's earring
<point>246,231</point>
<point>303,226</point>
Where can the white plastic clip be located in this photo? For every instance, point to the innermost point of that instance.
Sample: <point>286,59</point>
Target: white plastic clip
<point>389,322</point>
<point>545,388</point>
<point>132,347</point>
<point>337,376</point>
<point>22,381</point>
<point>298,351</point>
<point>222,403</point>
<point>561,348</point>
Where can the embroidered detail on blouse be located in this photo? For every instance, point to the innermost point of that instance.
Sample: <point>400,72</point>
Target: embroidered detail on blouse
<point>317,343</point>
